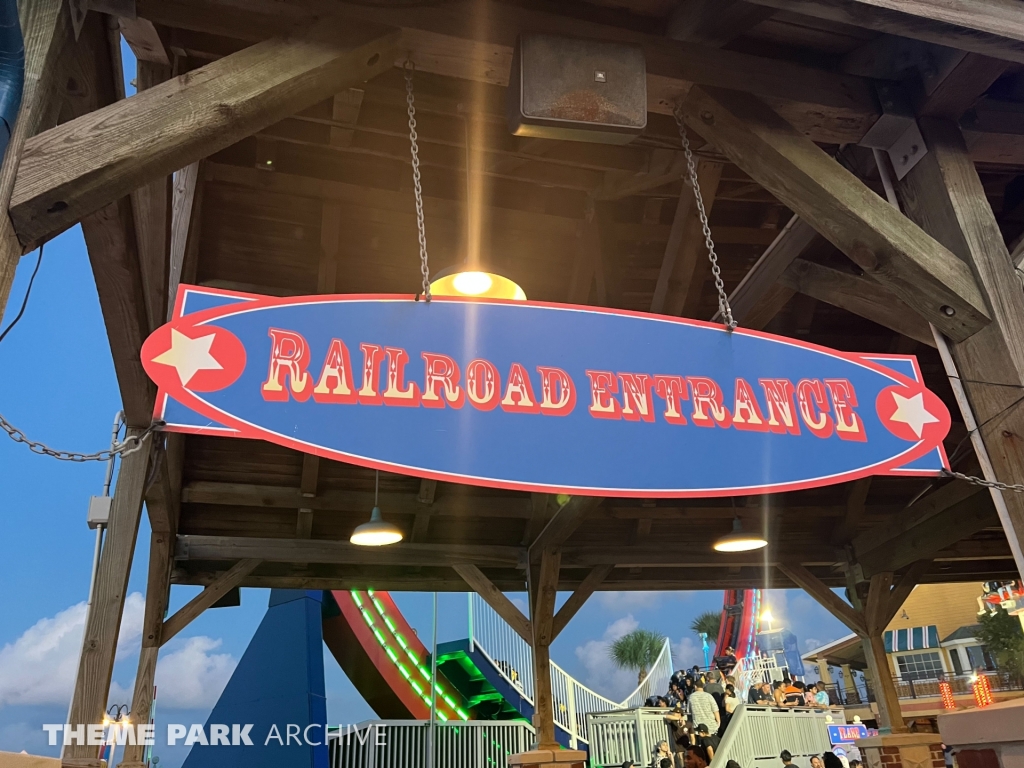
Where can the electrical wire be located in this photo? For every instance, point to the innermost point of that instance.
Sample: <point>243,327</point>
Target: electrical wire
<point>28,292</point>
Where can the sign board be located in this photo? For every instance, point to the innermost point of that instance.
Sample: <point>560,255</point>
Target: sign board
<point>841,734</point>
<point>540,397</point>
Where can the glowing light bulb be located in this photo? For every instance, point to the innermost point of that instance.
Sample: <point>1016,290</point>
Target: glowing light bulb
<point>472,283</point>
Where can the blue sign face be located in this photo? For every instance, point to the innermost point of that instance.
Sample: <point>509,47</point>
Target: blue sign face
<point>540,397</point>
<point>843,734</point>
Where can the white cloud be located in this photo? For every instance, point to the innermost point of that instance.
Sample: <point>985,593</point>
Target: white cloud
<point>686,653</point>
<point>39,667</point>
<point>192,677</point>
<point>601,674</point>
<point>812,642</point>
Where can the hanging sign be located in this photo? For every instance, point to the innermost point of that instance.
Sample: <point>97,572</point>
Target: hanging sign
<point>540,397</point>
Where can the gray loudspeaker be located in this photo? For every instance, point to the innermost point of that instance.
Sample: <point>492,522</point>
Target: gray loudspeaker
<point>580,90</point>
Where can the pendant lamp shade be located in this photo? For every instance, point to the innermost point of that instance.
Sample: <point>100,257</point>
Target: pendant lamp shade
<point>739,540</point>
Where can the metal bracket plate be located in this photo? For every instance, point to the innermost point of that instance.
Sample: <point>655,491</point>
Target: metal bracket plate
<point>896,131</point>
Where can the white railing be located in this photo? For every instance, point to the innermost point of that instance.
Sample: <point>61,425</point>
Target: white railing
<point>513,658</point>
<point>403,743</point>
<point>616,737</point>
<point>757,735</point>
<point>754,670</point>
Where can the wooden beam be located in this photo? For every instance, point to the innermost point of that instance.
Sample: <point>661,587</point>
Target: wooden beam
<point>113,251</point>
<point>587,257</point>
<point>920,513</point>
<point>46,29</point>
<point>962,87</point>
<point>185,615</point>
<point>855,503</point>
<point>539,504</point>
<point>793,240</point>
<point>942,530</point>
<point>810,583</point>
<point>892,250</point>
<point>144,40</point>
<point>714,22</point>
<point>421,522</point>
<point>283,497</point>
<point>901,591</point>
<point>455,41</point>
<point>310,475</point>
<point>665,167</point>
<point>151,209</point>
<point>876,606</point>
<point>186,196</point>
<point>76,168</point>
<point>992,27</point>
<point>543,592</point>
<point>495,598</point>
<point>104,620</point>
<point>158,590</point>
<point>856,294</point>
<point>229,548</point>
<point>566,520</point>
<point>944,194</point>
<point>580,596</point>
<point>685,264</point>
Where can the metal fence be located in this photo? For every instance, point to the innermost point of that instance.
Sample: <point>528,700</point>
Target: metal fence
<point>755,736</point>
<point>403,744</point>
<point>513,658</point>
<point>618,736</point>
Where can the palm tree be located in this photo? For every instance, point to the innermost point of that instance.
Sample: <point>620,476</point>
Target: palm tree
<point>638,650</point>
<point>708,622</point>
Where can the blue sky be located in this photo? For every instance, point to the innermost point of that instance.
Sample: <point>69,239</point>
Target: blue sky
<point>60,389</point>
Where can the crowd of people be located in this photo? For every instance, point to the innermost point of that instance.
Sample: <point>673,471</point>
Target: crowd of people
<point>701,704</point>
<point>663,758</point>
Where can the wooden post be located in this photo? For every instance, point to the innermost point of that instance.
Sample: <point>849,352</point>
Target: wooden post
<point>46,26</point>
<point>542,601</point>
<point>104,622</point>
<point>158,588</point>
<point>944,195</point>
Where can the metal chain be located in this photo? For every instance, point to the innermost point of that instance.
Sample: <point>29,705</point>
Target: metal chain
<point>128,445</point>
<point>716,272</point>
<point>983,482</point>
<point>414,149</point>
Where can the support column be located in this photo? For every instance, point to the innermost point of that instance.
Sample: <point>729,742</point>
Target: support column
<point>97,662</point>
<point>543,587</point>
<point>542,604</point>
<point>944,195</point>
<point>158,588</point>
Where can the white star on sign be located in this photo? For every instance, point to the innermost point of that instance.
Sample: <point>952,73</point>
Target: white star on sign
<point>189,356</point>
<point>911,411</point>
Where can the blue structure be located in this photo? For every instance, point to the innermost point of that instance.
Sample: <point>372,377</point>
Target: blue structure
<point>279,681</point>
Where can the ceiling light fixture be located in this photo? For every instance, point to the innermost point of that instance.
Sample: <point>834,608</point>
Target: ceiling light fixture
<point>739,541</point>
<point>465,280</point>
<point>377,532</point>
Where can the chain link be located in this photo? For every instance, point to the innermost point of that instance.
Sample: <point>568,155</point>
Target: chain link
<point>414,149</point>
<point>129,445</point>
<point>983,482</point>
<point>716,272</point>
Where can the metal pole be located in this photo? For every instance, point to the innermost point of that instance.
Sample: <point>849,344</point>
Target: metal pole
<point>432,730</point>
<point>98,548</point>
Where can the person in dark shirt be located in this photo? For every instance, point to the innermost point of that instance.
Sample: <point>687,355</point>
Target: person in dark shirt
<point>727,661</point>
<point>707,743</point>
<point>760,695</point>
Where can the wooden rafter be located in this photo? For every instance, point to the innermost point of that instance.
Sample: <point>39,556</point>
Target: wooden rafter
<point>884,244</point>
<point>810,583</point>
<point>992,27</point>
<point>566,520</point>
<point>185,615</point>
<point>714,22</point>
<point>579,596</point>
<point>495,598</point>
<point>80,166</point>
